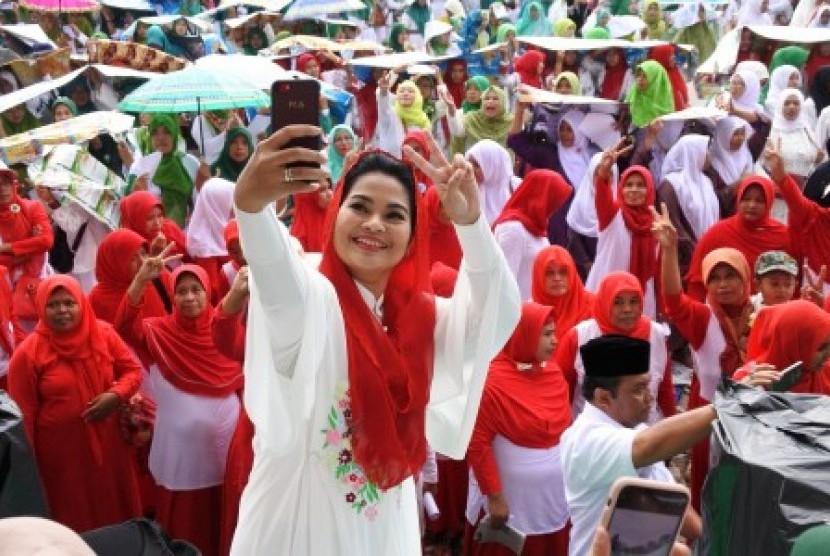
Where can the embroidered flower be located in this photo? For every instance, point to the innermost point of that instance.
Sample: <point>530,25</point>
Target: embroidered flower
<point>350,498</point>
<point>14,207</point>
<point>333,437</point>
<point>345,457</point>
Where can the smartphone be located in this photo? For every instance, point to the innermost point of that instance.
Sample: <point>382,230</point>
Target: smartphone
<point>789,378</point>
<point>644,517</point>
<point>297,101</point>
<point>507,536</point>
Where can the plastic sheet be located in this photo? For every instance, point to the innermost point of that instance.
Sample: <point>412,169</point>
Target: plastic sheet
<point>21,492</point>
<point>772,480</point>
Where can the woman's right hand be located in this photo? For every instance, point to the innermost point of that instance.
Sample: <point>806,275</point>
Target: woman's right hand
<point>267,177</point>
<point>498,510</point>
<point>762,375</point>
<point>609,158</point>
<point>662,228</point>
<point>141,183</point>
<point>152,267</point>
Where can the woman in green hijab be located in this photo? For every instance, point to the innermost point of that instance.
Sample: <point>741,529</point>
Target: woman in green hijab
<point>398,38</point>
<point>596,33</point>
<point>16,120</point>
<point>532,21</point>
<point>491,121</point>
<point>63,108</point>
<point>652,16</point>
<point>475,87</point>
<point>564,28</point>
<point>239,146</point>
<point>651,96</point>
<point>342,141</point>
<point>167,172</point>
<point>255,41</point>
<point>786,56</point>
<point>419,13</point>
<point>566,83</point>
<point>603,18</point>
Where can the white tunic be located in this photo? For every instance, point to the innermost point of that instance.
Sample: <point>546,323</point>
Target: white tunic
<point>596,451</point>
<point>306,495</point>
<point>520,247</point>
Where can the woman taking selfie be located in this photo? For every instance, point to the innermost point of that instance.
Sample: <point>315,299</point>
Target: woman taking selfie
<point>350,370</point>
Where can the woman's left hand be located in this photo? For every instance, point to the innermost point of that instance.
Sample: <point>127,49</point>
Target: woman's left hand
<point>455,182</point>
<point>775,162</point>
<point>100,406</point>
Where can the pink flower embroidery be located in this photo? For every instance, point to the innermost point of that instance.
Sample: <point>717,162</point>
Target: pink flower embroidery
<point>333,437</point>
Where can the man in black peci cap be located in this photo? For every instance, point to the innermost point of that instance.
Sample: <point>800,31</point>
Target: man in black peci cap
<point>609,439</point>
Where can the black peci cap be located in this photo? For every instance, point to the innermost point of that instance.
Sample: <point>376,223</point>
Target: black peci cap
<point>615,355</point>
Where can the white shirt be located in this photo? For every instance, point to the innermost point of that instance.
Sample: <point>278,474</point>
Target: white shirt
<point>596,451</point>
<point>520,248</point>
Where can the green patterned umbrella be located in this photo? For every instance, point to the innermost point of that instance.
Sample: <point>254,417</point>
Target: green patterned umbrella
<point>194,89</point>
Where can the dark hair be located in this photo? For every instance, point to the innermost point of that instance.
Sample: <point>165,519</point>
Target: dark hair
<point>610,383</point>
<point>389,166</point>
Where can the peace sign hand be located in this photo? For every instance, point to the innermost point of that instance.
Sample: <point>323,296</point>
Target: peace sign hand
<point>814,289</point>
<point>662,228</point>
<point>455,182</point>
<point>610,156</point>
<point>775,162</point>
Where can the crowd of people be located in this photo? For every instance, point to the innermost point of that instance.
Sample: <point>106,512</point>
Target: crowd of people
<point>472,305</point>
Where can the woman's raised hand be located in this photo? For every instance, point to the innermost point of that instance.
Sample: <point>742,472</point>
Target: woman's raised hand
<point>267,176</point>
<point>663,230</point>
<point>775,162</point>
<point>152,266</point>
<point>610,156</point>
<point>455,182</point>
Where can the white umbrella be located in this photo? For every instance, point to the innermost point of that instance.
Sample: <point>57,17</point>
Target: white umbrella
<point>259,70</point>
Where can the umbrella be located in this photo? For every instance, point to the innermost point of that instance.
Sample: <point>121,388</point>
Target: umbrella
<point>312,8</point>
<point>60,5</point>
<point>258,70</point>
<point>192,90</point>
<point>28,146</point>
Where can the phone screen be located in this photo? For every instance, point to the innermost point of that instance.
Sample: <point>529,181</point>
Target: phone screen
<point>645,521</point>
<point>789,378</point>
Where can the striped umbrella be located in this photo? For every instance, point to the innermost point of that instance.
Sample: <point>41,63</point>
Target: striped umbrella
<point>312,8</point>
<point>60,5</point>
<point>194,89</point>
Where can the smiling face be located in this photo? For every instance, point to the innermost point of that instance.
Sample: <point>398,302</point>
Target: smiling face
<point>492,105</point>
<point>63,312</point>
<point>406,95</point>
<point>189,296</point>
<point>635,190</point>
<point>62,112</point>
<point>373,227</point>
<point>724,285</point>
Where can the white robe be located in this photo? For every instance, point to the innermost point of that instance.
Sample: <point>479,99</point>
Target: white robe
<point>300,498</point>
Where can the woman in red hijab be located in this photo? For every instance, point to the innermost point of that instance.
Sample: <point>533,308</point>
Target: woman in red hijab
<point>310,217</point>
<point>751,231</point>
<point>143,213</point>
<point>618,309</point>
<point>556,283</point>
<point>625,241</point>
<point>717,330</point>
<point>229,270</point>
<point>418,140</point>
<point>197,396</point>
<point>69,378</point>
<point>118,259</point>
<point>443,241</point>
<point>664,55</point>
<point>521,229</point>
<point>455,78</point>
<point>514,451</point>
<point>788,333</point>
<point>529,68</point>
<point>617,76</point>
<point>25,240</point>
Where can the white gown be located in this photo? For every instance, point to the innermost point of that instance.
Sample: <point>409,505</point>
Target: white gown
<point>306,495</point>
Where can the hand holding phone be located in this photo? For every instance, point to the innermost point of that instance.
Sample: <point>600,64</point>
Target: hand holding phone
<point>643,516</point>
<point>507,536</point>
<point>297,101</point>
<point>789,377</point>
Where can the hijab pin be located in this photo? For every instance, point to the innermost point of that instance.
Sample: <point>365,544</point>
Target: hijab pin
<point>14,207</point>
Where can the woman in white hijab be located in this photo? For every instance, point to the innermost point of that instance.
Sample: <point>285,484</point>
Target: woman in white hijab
<point>755,12</point>
<point>494,172</point>
<point>688,193</point>
<point>782,77</point>
<point>731,160</point>
<point>742,101</point>
<point>792,136</point>
<point>583,227</point>
<point>574,157</point>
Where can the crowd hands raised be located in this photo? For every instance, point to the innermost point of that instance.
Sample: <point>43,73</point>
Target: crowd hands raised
<point>713,227</point>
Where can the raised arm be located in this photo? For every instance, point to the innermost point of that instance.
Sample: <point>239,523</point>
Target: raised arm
<point>607,206</point>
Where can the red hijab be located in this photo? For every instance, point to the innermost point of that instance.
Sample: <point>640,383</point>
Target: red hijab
<point>309,220</point>
<point>527,67</point>
<point>84,348</point>
<point>612,285</point>
<point>390,363</point>
<point>540,194</point>
<point>418,137</point>
<point>184,350</point>
<point>135,208</point>
<point>614,77</point>
<point>304,59</point>
<point>231,234</point>
<point>528,402</point>
<point>443,241</point>
<point>443,279</point>
<point>458,91</point>
<point>638,220</point>
<point>569,309</point>
<point>113,274</point>
<point>664,55</point>
<point>750,238</point>
<point>790,332</point>
<point>814,63</point>
<point>367,104</point>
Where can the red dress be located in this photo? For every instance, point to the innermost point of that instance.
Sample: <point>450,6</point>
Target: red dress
<point>87,469</point>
